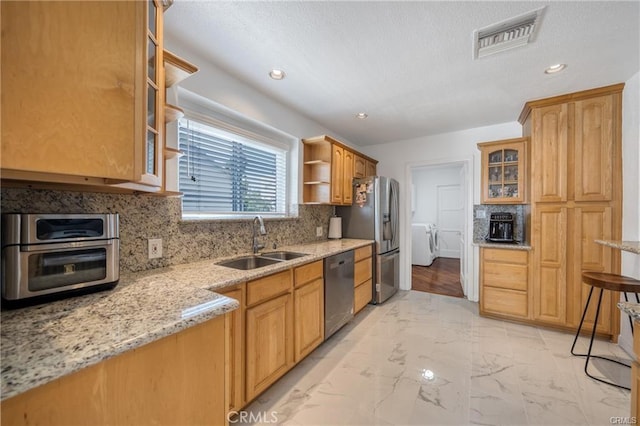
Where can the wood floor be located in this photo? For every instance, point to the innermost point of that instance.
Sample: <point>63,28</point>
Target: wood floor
<point>442,277</point>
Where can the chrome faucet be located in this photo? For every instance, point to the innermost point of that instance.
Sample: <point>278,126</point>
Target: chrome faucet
<point>263,231</point>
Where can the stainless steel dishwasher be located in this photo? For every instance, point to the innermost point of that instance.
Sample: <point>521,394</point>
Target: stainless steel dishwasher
<point>338,291</point>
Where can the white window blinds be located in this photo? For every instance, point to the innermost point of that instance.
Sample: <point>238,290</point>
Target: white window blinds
<point>221,174</point>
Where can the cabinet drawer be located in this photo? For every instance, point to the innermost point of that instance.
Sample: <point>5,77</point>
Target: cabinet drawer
<point>362,252</point>
<point>362,271</point>
<point>504,275</point>
<point>309,272</point>
<point>504,301</point>
<point>265,288</point>
<point>502,255</point>
<point>363,295</point>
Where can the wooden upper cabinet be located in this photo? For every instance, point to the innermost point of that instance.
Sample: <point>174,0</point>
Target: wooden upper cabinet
<point>370,169</point>
<point>82,90</point>
<point>329,169</point>
<point>593,149</point>
<point>347,177</point>
<point>359,167</point>
<point>337,179</point>
<point>504,171</point>
<point>549,153</point>
<point>575,145</point>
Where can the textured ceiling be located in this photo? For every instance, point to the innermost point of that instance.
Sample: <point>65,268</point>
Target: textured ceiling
<point>409,65</point>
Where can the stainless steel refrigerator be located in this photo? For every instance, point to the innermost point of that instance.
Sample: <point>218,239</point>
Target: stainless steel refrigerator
<point>374,216</point>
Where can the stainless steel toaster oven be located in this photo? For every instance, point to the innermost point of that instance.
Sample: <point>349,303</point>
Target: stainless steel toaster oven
<point>53,255</point>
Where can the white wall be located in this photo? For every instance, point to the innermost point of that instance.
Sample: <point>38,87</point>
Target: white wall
<point>222,88</point>
<point>631,190</point>
<point>397,157</point>
<point>427,183</point>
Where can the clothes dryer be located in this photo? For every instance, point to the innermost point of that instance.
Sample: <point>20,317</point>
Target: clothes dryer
<point>424,244</point>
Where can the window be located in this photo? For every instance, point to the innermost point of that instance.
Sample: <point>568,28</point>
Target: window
<point>224,174</point>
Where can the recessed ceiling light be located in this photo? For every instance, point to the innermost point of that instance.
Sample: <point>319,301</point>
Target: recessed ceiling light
<point>276,74</point>
<point>555,68</point>
<point>362,115</point>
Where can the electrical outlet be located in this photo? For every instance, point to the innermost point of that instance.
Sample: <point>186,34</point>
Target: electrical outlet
<point>319,231</point>
<point>481,214</point>
<point>155,248</point>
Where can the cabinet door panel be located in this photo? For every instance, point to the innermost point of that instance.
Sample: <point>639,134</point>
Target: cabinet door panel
<point>309,318</point>
<point>504,171</point>
<point>234,329</point>
<point>347,176</point>
<point>337,179</point>
<point>68,87</point>
<point>591,223</point>
<point>593,149</point>
<point>550,281</point>
<point>359,167</point>
<point>269,348</point>
<point>370,169</point>
<point>549,148</point>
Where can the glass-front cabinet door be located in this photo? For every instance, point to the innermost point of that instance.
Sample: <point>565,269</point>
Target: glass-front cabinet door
<point>153,144</point>
<point>504,171</point>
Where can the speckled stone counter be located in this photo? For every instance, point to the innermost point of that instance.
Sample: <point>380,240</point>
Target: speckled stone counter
<point>631,309</point>
<point>42,343</point>
<point>208,275</point>
<point>630,246</point>
<point>504,246</point>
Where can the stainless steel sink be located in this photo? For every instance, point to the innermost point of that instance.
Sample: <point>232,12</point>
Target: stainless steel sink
<point>283,255</point>
<point>248,262</point>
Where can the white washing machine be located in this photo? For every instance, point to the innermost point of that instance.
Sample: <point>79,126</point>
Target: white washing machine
<point>425,246</point>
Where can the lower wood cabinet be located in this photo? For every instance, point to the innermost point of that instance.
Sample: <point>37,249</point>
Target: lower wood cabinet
<point>178,379</point>
<point>308,302</point>
<point>234,344</point>
<point>504,283</point>
<point>269,343</point>
<point>362,278</point>
<point>269,332</point>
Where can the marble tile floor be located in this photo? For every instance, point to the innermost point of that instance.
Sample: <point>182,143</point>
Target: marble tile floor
<point>426,359</point>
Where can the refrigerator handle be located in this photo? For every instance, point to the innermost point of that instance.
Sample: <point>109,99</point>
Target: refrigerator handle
<point>394,207</point>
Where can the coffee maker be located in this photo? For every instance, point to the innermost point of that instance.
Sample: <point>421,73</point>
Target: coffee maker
<point>501,228</point>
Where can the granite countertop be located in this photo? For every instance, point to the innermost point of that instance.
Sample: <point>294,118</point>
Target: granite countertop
<point>630,246</point>
<point>208,275</point>
<point>506,246</point>
<point>45,342</point>
<point>630,308</point>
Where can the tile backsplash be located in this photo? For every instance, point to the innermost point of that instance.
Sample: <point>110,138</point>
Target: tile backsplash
<point>143,217</point>
<point>481,226</point>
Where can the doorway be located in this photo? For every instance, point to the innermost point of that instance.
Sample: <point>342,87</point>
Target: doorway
<point>439,200</point>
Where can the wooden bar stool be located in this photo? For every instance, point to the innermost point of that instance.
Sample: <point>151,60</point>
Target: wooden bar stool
<point>604,281</point>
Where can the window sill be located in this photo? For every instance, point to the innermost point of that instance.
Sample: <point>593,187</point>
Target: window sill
<point>233,219</point>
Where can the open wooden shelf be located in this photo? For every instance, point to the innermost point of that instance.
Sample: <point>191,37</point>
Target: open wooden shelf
<point>172,152</point>
<point>172,113</point>
<point>176,69</point>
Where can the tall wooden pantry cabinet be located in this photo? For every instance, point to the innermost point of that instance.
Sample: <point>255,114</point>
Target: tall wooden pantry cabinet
<point>576,198</point>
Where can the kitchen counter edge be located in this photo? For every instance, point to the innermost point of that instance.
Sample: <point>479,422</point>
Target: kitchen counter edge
<point>504,246</point>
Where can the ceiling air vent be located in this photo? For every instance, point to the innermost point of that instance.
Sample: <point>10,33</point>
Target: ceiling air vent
<point>505,35</point>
